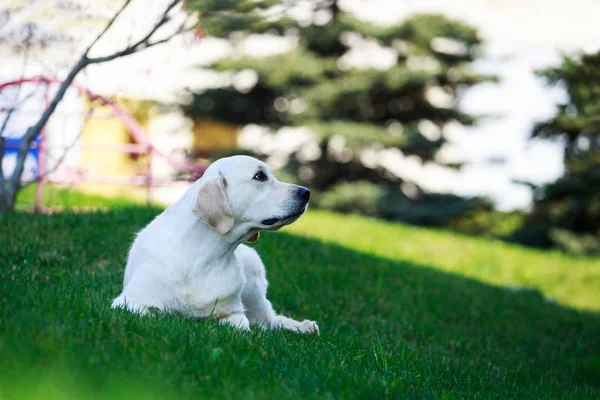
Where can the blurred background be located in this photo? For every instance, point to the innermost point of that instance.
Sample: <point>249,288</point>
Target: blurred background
<point>477,116</point>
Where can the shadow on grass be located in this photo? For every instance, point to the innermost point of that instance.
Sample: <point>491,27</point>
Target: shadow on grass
<point>433,311</point>
<point>389,328</point>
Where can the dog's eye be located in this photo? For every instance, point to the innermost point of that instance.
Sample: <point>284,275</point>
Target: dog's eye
<point>260,176</point>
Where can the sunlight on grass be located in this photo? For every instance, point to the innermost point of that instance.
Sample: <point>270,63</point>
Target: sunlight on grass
<point>573,281</point>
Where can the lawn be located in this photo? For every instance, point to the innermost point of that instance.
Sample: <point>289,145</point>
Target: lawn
<point>404,312</point>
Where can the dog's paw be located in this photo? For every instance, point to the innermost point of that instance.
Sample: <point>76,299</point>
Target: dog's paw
<point>121,303</point>
<point>236,320</point>
<point>309,327</point>
<point>306,326</point>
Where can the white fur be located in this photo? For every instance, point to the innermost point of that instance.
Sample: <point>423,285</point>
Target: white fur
<point>179,263</point>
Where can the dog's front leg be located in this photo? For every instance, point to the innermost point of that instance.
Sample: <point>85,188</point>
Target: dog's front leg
<point>237,320</point>
<point>260,311</point>
<point>282,322</point>
<point>257,307</point>
<point>226,311</point>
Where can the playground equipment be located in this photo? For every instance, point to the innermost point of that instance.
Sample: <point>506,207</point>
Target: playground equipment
<point>187,171</point>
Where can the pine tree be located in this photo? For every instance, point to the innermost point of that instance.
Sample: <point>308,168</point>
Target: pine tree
<point>351,110</point>
<point>567,212</point>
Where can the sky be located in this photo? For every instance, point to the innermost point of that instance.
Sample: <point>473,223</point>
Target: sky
<point>520,36</point>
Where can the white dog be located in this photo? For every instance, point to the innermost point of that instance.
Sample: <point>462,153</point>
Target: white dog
<point>190,259</point>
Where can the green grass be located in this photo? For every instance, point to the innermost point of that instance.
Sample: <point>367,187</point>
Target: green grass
<point>570,280</point>
<point>62,197</point>
<point>404,313</point>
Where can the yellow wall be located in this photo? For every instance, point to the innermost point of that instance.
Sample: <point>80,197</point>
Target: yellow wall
<point>104,129</point>
<point>212,136</point>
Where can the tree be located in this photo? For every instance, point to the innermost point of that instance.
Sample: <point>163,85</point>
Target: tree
<point>10,187</point>
<point>566,213</point>
<point>356,112</point>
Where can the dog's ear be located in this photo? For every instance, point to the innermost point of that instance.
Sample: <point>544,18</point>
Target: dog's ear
<point>212,207</point>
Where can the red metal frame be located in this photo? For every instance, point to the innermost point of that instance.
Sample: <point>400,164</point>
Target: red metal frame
<point>39,185</point>
<point>138,133</point>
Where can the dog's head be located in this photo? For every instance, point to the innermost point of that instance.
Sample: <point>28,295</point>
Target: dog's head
<point>240,195</point>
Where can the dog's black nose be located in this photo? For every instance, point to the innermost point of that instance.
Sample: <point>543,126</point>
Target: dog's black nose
<point>303,193</point>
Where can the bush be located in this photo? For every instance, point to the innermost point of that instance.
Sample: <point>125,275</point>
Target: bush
<point>485,222</point>
<point>576,244</point>
<point>360,197</point>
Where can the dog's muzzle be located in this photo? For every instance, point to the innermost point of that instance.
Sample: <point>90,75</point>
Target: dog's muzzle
<point>302,196</point>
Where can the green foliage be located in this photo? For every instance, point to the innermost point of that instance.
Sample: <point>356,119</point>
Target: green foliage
<point>404,313</point>
<point>296,67</point>
<point>576,244</point>
<point>488,222</point>
<point>430,209</point>
<point>578,120</point>
<point>357,136</point>
<point>368,198</point>
<point>356,197</point>
<point>312,86</point>
<point>567,212</point>
<point>220,17</point>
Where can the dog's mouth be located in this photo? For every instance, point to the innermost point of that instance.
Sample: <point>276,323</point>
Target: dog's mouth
<point>284,220</point>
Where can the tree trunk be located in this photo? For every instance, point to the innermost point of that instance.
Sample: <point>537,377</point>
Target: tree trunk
<point>4,203</point>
